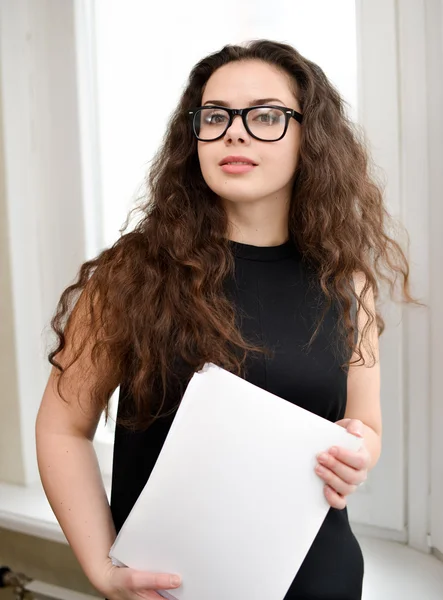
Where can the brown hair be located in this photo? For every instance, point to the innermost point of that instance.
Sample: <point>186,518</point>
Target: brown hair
<point>157,292</point>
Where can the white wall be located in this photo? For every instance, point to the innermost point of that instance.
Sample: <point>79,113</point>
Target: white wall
<point>11,458</point>
<point>379,508</point>
<point>42,196</point>
<point>416,209</point>
<point>434,26</point>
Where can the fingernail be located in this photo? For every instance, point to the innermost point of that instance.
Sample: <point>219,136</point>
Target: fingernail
<point>176,580</point>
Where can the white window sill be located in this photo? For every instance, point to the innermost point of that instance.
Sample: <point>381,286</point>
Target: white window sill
<point>25,509</point>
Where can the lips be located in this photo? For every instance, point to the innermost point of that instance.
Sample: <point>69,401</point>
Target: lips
<point>237,159</point>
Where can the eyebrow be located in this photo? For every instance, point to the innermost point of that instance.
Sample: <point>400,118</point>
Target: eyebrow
<point>252,103</point>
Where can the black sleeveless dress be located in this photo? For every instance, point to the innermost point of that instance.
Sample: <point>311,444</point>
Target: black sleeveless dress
<point>276,305</point>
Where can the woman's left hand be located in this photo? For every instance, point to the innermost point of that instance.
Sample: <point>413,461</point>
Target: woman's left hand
<point>343,470</point>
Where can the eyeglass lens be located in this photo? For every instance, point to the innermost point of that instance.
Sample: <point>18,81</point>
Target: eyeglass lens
<point>266,123</point>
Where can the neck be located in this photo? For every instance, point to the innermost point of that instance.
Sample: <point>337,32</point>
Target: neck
<point>258,223</point>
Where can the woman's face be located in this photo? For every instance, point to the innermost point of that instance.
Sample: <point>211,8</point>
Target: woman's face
<point>240,85</point>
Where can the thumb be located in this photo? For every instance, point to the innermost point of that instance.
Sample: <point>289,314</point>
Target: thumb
<point>343,423</point>
<point>355,426</point>
<point>145,580</point>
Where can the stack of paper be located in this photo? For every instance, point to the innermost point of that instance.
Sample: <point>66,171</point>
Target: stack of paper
<point>233,503</point>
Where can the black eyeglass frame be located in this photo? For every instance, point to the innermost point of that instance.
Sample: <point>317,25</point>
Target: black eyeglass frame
<point>243,112</point>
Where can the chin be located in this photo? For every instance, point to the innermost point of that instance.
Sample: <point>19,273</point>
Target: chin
<point>241,196</point>
<point>239,191</point>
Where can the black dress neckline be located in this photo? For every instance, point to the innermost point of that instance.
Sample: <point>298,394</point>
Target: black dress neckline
<point>264,253</point>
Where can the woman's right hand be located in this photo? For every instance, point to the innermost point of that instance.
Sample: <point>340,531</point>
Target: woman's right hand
<point>123,583</point>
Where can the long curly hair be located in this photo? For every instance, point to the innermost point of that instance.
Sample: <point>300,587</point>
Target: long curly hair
<point>157,293</point>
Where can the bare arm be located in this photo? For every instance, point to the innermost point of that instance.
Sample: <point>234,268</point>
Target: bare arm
<point>67,462</point>
<point>72,480</point>
<point>363,392</point>
<point>73,484</point>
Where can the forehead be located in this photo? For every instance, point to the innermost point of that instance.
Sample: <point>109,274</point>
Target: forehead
<point>239,82</point>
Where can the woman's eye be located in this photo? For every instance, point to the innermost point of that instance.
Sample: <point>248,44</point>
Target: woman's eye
<point>215,119</point>
<point>268,118</point>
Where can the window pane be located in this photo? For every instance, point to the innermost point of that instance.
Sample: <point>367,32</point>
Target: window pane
<point>144,54</point>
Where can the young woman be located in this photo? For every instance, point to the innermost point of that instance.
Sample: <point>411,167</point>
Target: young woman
<point>259,249</point>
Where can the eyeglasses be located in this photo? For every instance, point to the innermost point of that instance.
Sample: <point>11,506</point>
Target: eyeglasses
<point>267,123</point>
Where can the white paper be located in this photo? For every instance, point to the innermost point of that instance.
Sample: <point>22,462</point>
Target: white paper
<point>233,503</point>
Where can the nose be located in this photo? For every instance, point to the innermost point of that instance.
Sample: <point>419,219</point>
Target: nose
<point>237,131</point>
